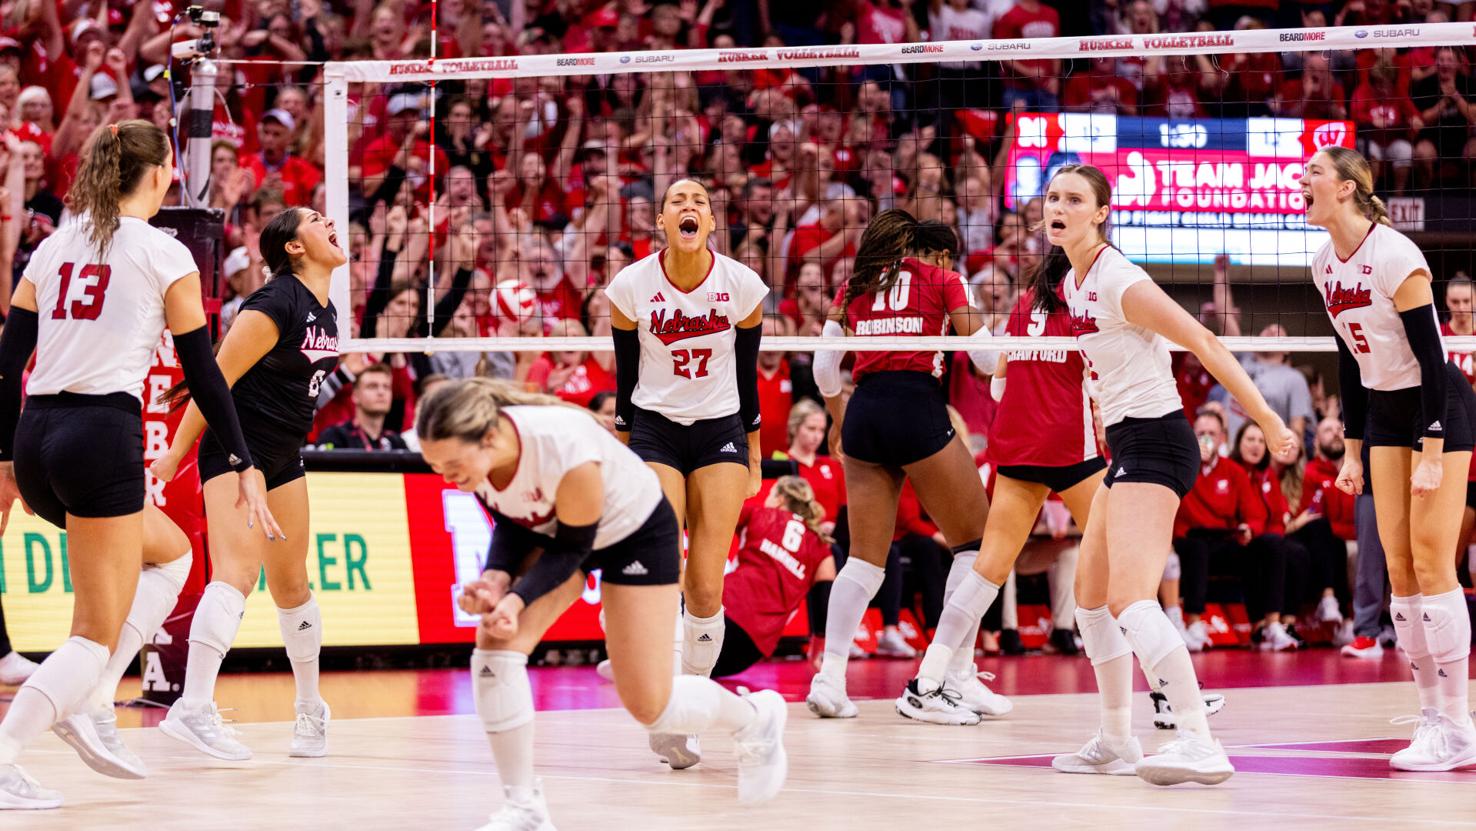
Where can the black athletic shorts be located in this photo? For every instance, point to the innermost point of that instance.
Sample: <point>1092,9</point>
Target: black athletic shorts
<point>278,457</point>
<point>1058,479</point>
<point>896,418</point>
<point>739,652</point>
<point>81,455</point>
<point>1156,451</point>
<point>650,556</point>
<point>1394,415</point>
<point>656,438</point>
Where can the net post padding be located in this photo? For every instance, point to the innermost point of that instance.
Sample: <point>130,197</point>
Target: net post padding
<point>336,178</point>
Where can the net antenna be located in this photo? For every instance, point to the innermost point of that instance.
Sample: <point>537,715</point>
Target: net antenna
<point>339,75</point>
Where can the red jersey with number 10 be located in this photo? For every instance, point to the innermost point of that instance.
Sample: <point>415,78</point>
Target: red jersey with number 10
<point>777,558</point>
<point>1045,417</point>
<point>916,305</point>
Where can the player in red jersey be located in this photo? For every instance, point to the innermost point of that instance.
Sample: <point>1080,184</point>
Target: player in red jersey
<point>1043,440</point>
<point>782,553</point>
<point>894,425</point>
<point>1458,301</point>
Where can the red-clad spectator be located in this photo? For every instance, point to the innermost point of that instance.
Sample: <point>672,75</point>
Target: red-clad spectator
<point>1036,83</point>
<point>835,235</point>
<point>576,377</point>
<point>1178,90</point>
<point>275,167</point>
<point>776,395</point>
<point>1447,104</point>
<point>886,21</point>
<point>806,428</point>
<point>405,120</point>
<point>1386,120</point>
<point>1316,94</point>
<point>1099,89</point>
<point>1278,566</point>
<point>1325,524</point>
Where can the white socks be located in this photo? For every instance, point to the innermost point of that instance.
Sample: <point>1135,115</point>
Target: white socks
<point>504,701</point>
<point>699,704</point>
<point>960,620</point>
<point>702,642</point>
<point>1161,651</point>
<point>1409,630</point>
<point>1447,625</point>
<point>217,619</point>
<point>1111,658</point>
<point>963,651</point>
<point>156,596</point>
<point>302,633</point>
<point>63,681</point>
<point>855,585</point>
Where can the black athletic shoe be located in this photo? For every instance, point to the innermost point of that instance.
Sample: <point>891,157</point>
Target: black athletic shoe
<point>1064,641</point>
<point>1010,643</point>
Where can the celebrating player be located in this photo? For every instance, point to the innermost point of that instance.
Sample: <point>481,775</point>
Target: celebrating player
<point>1415,410</point>
<point>284,340</point>
<point>896,424</point>
<point>1042,440</point>
<point>1123,320</point>
<point>686,326</point>
<point>108,284</point>
<point>557,483</point>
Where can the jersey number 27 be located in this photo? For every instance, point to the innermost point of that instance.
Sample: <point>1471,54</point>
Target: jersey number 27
<point>94,279</point>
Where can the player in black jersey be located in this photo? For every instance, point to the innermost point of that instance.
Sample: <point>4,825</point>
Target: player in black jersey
<point>282,344</point>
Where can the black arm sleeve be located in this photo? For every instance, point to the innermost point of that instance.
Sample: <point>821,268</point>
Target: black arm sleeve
<point>627,371</point>
<point>745,352</point>
<point>1355,394</point>
<point>17,343</point>
<point>562,556</point>
<point>1424,341</point>
<point>212,394</point>
<point>447,305</point>
<point>511,545</point>
<point>817,604</point>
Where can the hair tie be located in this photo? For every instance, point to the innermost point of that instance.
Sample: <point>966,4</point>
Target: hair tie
<point>114,128</point>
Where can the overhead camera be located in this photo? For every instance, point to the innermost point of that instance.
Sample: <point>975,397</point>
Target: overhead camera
<point>204,46</point>
<point>201,17</point>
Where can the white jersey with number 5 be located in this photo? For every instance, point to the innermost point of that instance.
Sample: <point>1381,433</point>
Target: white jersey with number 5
<point>1128,365</point>
<point>1359,293</point>
<point>101,319</point>
<point>687,368</point>
<point>555,440</point>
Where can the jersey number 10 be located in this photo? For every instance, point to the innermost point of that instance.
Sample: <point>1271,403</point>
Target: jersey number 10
<point>94,278</point>
<point>895,298</point>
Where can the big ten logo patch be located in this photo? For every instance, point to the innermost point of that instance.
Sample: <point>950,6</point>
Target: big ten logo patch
<point>717,297</point>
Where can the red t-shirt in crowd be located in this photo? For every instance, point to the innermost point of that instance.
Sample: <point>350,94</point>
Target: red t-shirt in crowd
<point>1044,22</point>
<point>1045,417</point>
<point>918,303</point>
<point>777,559</point>
<point>1268,484</point>
<point>299,177</point>
<point>586,381</point>
<point>1320,494</point>
<point>1222,500</point>
<point>877,24</point>
<point>562,301</point>
<point>1194,383</point>
<point>776,397</point>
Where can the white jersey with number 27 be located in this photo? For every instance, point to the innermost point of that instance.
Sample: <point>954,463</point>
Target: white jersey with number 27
<point>101,318</point>
<point>1359,294</point>
<point>687,368</point>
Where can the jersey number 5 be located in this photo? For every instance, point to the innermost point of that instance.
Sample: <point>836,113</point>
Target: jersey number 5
<point>1360,343</point>
<point>680,358</point>
<point>94,278</point>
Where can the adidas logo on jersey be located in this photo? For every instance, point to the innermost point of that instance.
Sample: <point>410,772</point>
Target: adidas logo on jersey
<point>705,638</point>
<point>311,317</point>
<point>635,569</point>
<point>658,298</point>
<point>729,448</point>
<point>304,625</point>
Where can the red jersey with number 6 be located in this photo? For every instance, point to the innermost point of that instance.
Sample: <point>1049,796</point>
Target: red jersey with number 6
<point>917,304</point>
<point>1045,417</point>
<point>777,558</point>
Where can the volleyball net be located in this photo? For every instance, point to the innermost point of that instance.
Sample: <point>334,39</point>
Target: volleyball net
<point>489,200</point>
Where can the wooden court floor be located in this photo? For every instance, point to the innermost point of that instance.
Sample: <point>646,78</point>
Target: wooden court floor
<point>1310,757</point>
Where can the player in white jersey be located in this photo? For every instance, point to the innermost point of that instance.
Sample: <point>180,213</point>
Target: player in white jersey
<point>105,287</point>
<point>1123,322</point>
<point>686,323</point>
<point>1414,409</point>
<point>555,481</point>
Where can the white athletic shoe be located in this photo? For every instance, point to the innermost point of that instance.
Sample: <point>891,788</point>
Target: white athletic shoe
<point>678,751</point>
<point>827,700</point>
<point>20,792</point>
<point>202,728</point>
<point>1439,745</point>
<point>310,731</point>
<point>1102,755</point>
<point>1365,648</point>
<point>939,706</point>
<point>1328,610</point>
<point>95,738</point>
<point>605,670</point>
<point>1163,714</point>
<point>1189,758</point>
<point>531,815</point>
<point>892,645</point>
<point>1274,638</point>
<point>762,763</point>
<point>974,695</point>
<point>1196,636</point>
<point>15,668</point>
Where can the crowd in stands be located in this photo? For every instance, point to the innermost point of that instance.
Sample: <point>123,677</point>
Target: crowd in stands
<point>545,187</point>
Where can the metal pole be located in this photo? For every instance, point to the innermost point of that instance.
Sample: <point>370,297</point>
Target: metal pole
<point>198,129</point>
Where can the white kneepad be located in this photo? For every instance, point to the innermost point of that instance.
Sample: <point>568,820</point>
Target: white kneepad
<point>504,697</point>
<point>1100,637</point>
<point>1149,632</point>
<point>218,617</point>
<point>1447,627</point>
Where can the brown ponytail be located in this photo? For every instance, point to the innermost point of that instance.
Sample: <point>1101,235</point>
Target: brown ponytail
<point>799,499</point>
<point>879,254</point>
<point>1045,279</point>
<point>114,161</point>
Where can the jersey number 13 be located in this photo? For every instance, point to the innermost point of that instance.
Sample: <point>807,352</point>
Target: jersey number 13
<point>94,279</point>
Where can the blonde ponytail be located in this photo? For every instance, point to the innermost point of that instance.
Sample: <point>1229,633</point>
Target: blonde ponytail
<point>799,498</point>
<point>469,408</point>
<point>1375,210</point>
